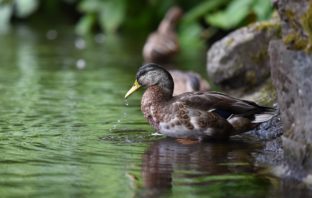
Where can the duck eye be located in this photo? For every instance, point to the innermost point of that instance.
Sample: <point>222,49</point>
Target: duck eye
<point>143,73</point>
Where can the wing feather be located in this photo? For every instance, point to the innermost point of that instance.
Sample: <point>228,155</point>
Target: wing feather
<point>214,100</point>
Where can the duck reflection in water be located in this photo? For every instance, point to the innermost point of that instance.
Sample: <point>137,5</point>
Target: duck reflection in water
<point>168,160</point>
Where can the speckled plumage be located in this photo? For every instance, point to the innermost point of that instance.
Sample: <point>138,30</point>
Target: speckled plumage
<point>195,115</point>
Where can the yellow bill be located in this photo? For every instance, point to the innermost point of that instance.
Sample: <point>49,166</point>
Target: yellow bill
<point>134,87</point>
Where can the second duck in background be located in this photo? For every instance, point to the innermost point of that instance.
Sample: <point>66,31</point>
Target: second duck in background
<point>163,44</point>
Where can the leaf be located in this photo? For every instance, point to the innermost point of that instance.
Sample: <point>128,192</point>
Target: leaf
<point>25,8</point>
<point>234,14</point>
<point>203,9</point>
<point>90,6</point>
<point>85,24</point>
<point>263,9</point>
<point>190,35</point>
<point>112,15</point>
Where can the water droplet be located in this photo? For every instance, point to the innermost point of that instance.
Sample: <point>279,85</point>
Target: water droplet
<point>80,43</point>
<point>126,102</point>
<point>81,64</point>
<point>51,34</point>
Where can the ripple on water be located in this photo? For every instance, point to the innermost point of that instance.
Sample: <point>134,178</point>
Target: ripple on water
<point>68,132</point>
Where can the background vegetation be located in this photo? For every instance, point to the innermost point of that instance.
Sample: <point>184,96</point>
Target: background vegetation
<point>111,16</point>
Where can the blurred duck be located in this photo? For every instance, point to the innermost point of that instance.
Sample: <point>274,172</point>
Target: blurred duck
<point>194,115</point>
<point>163,44</point>
<point>187,82</point>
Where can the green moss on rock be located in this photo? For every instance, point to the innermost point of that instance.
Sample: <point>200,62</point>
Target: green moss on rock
<point>295,40</point>
<point>306,21</point>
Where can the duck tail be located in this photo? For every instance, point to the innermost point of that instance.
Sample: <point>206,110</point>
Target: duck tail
<point>267,114</point>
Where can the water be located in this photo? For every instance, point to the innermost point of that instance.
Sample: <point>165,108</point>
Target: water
<point>66,130</point>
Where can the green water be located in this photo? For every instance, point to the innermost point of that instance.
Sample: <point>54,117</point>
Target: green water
<point>66,131</point>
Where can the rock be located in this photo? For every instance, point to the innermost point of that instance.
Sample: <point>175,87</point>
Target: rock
<point>296,17</point>
<point>271,129</point>
<point>292,76</point>
<point>264,94</point>
<point>268,132</point>
<point>241,58</point>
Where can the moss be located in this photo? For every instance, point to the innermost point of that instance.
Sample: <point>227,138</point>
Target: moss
<point>251,77</point>
<point>265,94</point>
<point>295,40</point>
<point>301,36</point>
<point>268,25</point>
<point>306,21</point>
<point>229,42</point>
<point>260,56</point>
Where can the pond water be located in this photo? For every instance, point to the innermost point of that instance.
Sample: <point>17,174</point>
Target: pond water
<point>66,130</point>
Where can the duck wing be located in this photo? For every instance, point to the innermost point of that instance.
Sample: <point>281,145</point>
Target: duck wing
<point>226,106</point>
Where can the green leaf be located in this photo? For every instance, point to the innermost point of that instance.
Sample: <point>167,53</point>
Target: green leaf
<point>263,9</point>
<point>203,9</point>
<point>190,35</point>
<point>90,6</point>
<point>234,14</point>
<point>112,15</point>
<point>85,24</point>
<point>25,8</point>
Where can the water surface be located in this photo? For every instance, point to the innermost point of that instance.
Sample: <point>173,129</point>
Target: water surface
<point>66,131</point>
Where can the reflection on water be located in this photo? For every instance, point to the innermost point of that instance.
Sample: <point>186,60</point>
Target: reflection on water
<point>213,169</point>
<point>66,131</point>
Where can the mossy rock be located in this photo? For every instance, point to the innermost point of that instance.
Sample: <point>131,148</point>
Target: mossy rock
<point>241,58</point>
<point>296,20</point>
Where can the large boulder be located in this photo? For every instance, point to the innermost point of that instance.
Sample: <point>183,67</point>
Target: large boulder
<point>241,58</point>
<point>292,76</point>
<point>291,70</point>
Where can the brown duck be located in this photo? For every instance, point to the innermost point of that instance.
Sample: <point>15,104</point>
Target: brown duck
<point>194,115</point>
<point>187,81</point>
<point>163,44</point>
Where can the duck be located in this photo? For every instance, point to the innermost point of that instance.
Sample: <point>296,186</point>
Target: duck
<point>187,81</point>
<point>197,115</point>
<point>163,44</point>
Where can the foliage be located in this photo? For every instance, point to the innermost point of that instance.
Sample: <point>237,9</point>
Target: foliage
<point>238,11</point>
<point>23,9</point>
<point>112,15</point>
<point>109,14</point>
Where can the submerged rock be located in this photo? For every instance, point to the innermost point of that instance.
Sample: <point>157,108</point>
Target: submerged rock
<point>241,58</point>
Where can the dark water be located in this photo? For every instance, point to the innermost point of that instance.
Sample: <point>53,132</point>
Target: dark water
<point>66,131</point>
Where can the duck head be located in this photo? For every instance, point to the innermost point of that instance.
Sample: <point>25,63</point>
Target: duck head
<point>152,75</point>
<point>173,15</point>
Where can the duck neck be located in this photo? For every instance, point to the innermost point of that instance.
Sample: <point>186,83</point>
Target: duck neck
<point>167,26</point>
<point>153,101</point>
<point>156,94</point>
